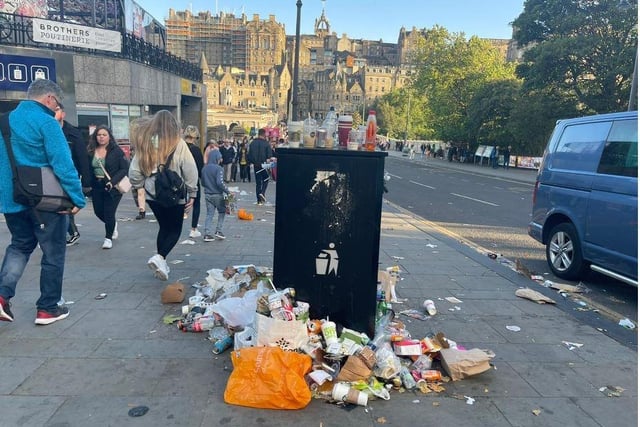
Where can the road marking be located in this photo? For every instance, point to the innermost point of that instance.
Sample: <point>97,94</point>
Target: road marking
<point>395,176</point>
<point>422,185</point>
<point>475,200</point>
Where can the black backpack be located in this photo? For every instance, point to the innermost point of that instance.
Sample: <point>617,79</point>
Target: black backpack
<point>170,187</point>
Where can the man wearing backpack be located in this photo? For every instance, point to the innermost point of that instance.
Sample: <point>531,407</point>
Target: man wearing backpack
<point>37,140</point>
<point>259,152</point>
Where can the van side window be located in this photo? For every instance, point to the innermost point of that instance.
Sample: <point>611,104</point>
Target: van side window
<point>579,146</point>
<point>620,154</point>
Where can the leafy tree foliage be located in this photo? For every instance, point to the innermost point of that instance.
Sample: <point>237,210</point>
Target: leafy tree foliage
<point>450,70</point>
<point>489,112</point>
<point>584,49</point>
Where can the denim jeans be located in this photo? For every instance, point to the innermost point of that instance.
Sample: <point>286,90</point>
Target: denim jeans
<point>214,202</point>
<point>26,234</point>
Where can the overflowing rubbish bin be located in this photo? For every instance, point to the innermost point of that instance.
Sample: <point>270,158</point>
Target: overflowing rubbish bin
<point>327,232</point>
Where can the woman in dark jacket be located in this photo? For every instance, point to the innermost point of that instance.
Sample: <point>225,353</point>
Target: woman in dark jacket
<point>108,166</point>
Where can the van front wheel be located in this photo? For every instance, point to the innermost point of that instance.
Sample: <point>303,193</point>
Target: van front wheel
<point>564,254</point>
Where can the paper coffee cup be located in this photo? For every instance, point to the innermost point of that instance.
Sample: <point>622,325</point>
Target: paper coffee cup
<point>430,306</point>
<point>353,146</point>
<point>344,393</point>
<point>329,332</point>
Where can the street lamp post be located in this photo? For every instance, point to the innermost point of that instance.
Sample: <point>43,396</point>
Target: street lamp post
<point>296,65</point>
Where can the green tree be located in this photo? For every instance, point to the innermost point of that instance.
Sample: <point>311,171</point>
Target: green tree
<point>533,117</point>
<point>450,69</point>
<point>403,114</point>
<point>490,110</point>
<point>582,48</point>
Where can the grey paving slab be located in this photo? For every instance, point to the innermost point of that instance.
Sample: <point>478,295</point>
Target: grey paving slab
<point>29,411</point>
<point>553,412</point>
<point>93,377</point>
<point>555,379</point>
<point>112,411</point>
<point>611,411</point>
<point>49,347</point>
<point>15,370</point>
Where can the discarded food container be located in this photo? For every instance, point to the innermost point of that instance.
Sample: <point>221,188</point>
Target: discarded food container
<point>343,393</point>
<point>430,306</point>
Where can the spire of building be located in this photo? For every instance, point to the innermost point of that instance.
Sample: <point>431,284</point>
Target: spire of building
<point>203,64</point>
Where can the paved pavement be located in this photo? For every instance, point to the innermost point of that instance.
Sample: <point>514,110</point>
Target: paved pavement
<point>115,353</point>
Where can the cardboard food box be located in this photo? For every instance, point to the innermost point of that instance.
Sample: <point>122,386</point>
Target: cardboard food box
<point>407,348</point>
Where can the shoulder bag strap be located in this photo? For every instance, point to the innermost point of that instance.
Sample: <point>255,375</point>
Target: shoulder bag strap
<point>6,134</point>
<point>104,170</point>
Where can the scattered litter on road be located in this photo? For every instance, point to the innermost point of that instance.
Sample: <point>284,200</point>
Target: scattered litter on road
<point>532,295</point>
<point>431,245</point>
<point>453,300</point>
<point>188,242</point>
<point>415,314</point>
<point>177,261</point>
<point>572,345</point>
<point>397,257</point>
<point>101,296</point>
<point>611,391</point>
<point>627,323</point>
<point>536,412</point>
<point>470,400</point>
<point>513,328</point>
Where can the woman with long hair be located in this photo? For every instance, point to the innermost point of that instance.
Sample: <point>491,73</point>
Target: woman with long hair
<point>108,166</point>
<point>156,138</point>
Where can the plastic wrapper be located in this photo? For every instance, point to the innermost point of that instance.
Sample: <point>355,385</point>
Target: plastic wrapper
<point>372,387</point>
<point>387,363</point>
<point>238,311</point>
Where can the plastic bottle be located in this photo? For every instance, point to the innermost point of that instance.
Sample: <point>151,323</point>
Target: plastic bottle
<point>407,379</point>
<point>381,305</point>
<point>371,131</point>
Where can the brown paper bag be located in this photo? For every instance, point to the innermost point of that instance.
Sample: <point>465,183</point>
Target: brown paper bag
<point>172,293</point>
<point>353,370</point>
<point>461,364</point>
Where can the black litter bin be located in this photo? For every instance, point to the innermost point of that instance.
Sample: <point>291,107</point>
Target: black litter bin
<point>327,232</point>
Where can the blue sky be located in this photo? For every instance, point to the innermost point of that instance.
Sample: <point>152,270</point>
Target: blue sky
<point>366,19</point>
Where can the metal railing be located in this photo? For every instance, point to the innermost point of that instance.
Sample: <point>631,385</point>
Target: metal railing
<point>17,30</point>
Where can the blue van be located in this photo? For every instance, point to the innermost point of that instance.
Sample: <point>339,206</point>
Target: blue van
<point>585,202</point>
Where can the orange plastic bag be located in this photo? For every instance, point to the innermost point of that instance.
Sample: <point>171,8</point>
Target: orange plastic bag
<point>243,214</point>
<point>268,378</point>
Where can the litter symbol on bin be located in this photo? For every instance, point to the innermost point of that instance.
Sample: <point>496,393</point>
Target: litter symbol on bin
<point>327,261</point>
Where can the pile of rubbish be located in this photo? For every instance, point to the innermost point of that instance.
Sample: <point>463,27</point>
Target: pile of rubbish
<point>282,358</point>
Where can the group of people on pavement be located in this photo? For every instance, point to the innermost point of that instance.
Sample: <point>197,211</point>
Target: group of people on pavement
<point>41,137</point>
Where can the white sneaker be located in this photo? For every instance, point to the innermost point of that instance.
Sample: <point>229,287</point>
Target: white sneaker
<point>160,267</point>
<point>195,233</point>
<point>114,236</point>
<point>107,244</point>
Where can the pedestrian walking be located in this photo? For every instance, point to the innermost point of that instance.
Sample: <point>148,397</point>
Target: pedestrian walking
<point>245,168</point>
<point>506,157</point>
<point>37,140</point>
<point>156,139</point>
<point>214,192</point>
<point>79,156</point>
<point>192,138</point>
<point>228,153</point>
<point>108,167</point>
<point>259,153</point>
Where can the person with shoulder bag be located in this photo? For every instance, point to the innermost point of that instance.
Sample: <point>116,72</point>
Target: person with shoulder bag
<point>109,167</point>
<point>162,163</point>
<point>37,140</point>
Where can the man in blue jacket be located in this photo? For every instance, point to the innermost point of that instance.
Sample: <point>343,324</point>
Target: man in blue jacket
<point>37,140</point>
